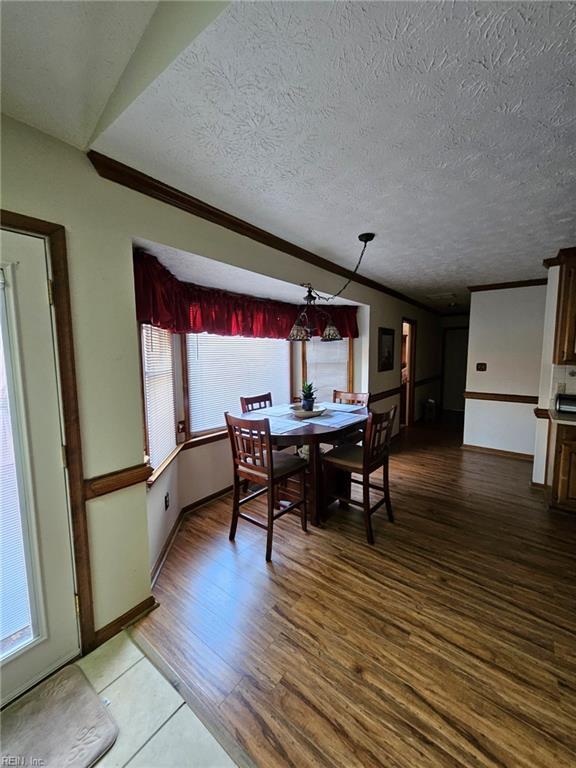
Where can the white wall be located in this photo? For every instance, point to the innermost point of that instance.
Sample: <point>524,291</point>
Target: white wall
<point>46,179</point>
<point>161,520</point>
<point>506,332</point>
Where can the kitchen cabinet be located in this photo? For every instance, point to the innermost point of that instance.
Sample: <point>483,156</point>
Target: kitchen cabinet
<point>564,484</point>
<point>565,340</point>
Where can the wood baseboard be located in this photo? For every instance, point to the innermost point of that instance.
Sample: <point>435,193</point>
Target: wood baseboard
<point>114,627</point>
<point>166,548</point>
<point>498,452</point>
<point>539,486</point>
<point>207,499</point>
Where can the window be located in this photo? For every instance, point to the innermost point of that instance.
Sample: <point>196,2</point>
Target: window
<point>221,369</point>
<point>158,369</point>
<point>327,366</point>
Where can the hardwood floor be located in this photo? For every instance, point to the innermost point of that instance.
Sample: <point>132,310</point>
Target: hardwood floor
<point>451,642</point>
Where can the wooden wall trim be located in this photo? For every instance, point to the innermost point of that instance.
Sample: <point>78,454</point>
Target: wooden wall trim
<point>350,364</point>
<point>116,626</point>
<point>205,500</point>
<point>501,397</point>
<point>115,481</point>
<point>374,398</point>
<point>429,380</point>
<point>498,452</point>
<point>129,177</point>
<point>504,286</point>
<point>197,442</point>
<point>542,413</point>
<point>411,385</point>
<point>185,387</point>
<point>564,255</point>
<point>56,235</point>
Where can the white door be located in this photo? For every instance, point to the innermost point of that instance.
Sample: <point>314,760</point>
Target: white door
<point>38,621</point>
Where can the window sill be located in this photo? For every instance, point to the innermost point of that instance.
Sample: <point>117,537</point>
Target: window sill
<point>193,442</point>
<point>165,464</point>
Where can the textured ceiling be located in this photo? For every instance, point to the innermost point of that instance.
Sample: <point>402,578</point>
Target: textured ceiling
<point>62,60</point>
<point>447,128</point>
<point>192,268</point>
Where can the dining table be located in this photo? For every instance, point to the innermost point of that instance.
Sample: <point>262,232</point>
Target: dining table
<point>337,421</point>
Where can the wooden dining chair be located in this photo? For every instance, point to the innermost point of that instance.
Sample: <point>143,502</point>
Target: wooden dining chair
<point>364,460</point>
<point>256,403</point>
<point>350,398</point>
<point>257,463</point>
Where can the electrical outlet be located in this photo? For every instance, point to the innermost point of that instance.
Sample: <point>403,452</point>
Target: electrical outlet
<point>166,501</point>
<point>481,367</point>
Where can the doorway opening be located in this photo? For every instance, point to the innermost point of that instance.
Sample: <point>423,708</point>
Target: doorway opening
<point>408,369</point>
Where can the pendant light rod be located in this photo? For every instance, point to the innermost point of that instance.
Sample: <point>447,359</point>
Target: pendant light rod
<point>303,332</point>
<point>365,237</point>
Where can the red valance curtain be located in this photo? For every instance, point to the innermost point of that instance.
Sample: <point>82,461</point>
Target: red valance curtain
<point>165,302</point>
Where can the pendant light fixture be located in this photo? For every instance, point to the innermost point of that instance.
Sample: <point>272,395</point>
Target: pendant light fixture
<point>303,329</point>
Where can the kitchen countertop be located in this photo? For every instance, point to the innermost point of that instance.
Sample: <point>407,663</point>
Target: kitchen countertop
<point>562,418</point>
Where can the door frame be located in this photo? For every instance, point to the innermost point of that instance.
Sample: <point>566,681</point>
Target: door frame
<point>411,387</point>
<point>55,234</point>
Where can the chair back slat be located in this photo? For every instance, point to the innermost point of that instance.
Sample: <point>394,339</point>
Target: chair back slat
<point>378,436</point>
<point>251,445</point>
<point>256,403</point>
<point>351,398</point>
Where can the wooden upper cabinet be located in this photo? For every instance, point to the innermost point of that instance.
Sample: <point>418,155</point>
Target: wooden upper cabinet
<point>565,339</point>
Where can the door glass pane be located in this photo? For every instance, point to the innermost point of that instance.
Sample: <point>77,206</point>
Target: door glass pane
<point>15,606</point>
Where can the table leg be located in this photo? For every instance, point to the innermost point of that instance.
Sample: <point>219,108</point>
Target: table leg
<point>315,495</point>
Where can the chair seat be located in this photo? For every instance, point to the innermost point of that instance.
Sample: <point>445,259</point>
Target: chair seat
<point>283,463</point>
<point>346,457</point>
<point>352,439</point>
<point>286,464</point>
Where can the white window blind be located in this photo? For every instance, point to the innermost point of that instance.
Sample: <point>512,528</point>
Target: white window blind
<point>222,369</point>
<point>327,366</point>
<point>158,364</point>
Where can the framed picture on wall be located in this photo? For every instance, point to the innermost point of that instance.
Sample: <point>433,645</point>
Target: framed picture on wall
<point>385,349</point>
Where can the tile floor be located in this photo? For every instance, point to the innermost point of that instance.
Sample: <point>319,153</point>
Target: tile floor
<point>157,728</point>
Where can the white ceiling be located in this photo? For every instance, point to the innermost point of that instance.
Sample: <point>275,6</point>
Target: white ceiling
<point>62,60</point>
<point>447,128</point>
<point>191,268</point>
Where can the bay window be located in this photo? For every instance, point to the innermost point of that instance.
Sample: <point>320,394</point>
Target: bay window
<point>158,380</point>
<point>221,369</point>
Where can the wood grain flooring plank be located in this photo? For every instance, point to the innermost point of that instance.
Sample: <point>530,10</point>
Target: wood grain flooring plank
<point>451,642</point>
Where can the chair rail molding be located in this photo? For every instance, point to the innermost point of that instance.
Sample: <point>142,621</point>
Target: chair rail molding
<point>502,397</point>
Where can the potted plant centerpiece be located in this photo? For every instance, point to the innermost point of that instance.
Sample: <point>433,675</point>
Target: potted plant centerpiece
<point>308,398</point>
